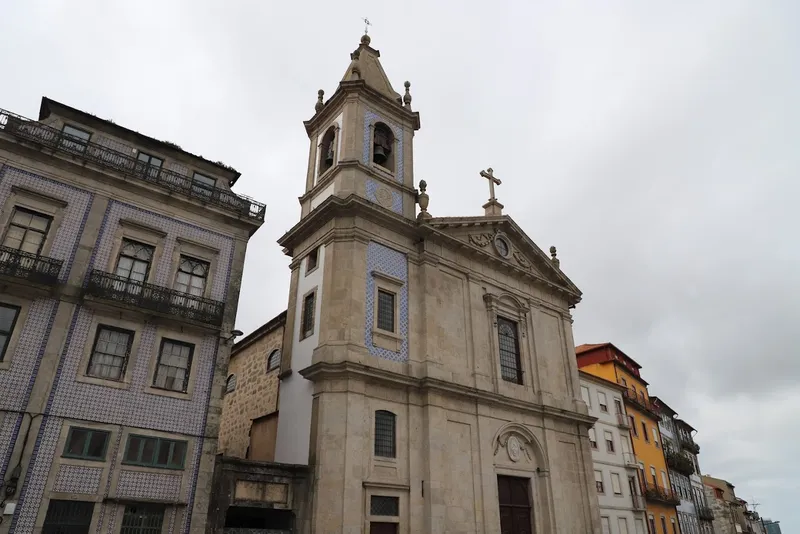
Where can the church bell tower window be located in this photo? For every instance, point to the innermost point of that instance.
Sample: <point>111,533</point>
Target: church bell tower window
<point>383,147</point>
<point>327,151</point>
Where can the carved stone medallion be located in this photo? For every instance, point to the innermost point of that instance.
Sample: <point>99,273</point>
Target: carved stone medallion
<point>384,197</point>
<point>480,239</point>
<point>514,449</point>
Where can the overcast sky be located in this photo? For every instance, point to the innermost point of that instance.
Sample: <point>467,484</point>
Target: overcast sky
<point>655,143</point>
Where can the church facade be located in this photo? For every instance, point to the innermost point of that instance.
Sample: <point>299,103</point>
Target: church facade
<point>428,376</point>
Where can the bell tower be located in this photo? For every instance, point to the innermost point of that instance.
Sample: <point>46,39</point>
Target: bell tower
<point>362,139</point>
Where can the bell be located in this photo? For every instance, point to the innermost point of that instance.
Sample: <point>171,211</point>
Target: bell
<point>329,155</point>
<point>379,155</point>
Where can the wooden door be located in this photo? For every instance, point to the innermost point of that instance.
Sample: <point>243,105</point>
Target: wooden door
<point>263,432</point>
<point>515,505</point>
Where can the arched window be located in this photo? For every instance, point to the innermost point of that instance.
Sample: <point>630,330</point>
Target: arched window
<point>274,360</point>
<point>383,147</point>
<point>510,365</point>
<point>230,384</point>
<point>385,438</point>
<point>327,150</point>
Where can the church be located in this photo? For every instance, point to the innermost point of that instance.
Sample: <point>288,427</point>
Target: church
<point>426,370</point>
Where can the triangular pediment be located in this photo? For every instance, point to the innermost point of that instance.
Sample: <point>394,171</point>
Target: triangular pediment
<point>501,238</point>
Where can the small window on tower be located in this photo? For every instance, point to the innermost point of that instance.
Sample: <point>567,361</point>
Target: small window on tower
<point>327,151</point>
<point>383,147</point>
<point>311,260</point>
<point>307,322</point>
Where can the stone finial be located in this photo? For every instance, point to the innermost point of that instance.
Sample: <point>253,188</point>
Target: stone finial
<point>422,200</point>
<point>319,105</point>
<point>553,257</point>
<point>366,39</point>
<point>407,96</point>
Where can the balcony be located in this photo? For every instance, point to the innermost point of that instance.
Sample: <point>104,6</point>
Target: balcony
<point>660,494</point>
<point>630,459</point>
<point>638,502</point>
<point>153,298</point>
<point>704,512</point>
<point>641,403</point>
<point>623,422</point>
<point>125,163</point>
<point>679,462</point>
<point>688,444</point>
<point>30,267</point>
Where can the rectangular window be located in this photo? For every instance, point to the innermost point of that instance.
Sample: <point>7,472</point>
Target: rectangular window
<point>73,517</point>
<point>8,320</point>
<point>592,438</point>
<point>382,528</point>
<point>155,452</point>
<point>606,525</point>
<point>623,525</point>
<point>665,480</point>
<point>192,276</point>
<point>585,396</point>
<point>664,525</point>
<point>609,437</point>
<point>653,474</point>
<point>510,365</point>
<point>74,139</point>
<point>110,353</point>
<point>598,481</point>
<point>86,444</point>
<point>602,401</point>
<point>652,522</point>
<point>203,185</point>
<point>27,230</point>
<point>307,321</point>
<point>644,432</point>
<point>148,165</point>
<point>618,406</point>
<point>616,485</point>
<point>386,310</point>
<point>142,519</point>
<point>386,506</point>
<point>174,365</point>
<point>385,434</point>
<point>311,260</point>
<point>133,265</point>
<point>633,426</point>
<point>655,436</point>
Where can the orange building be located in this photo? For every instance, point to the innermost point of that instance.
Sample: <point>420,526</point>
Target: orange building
<point>606,361</point>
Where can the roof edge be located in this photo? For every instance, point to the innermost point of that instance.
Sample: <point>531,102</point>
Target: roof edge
<point>276,322</point>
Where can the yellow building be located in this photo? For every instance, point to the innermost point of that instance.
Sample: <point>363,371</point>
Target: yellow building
<point>606,361</point>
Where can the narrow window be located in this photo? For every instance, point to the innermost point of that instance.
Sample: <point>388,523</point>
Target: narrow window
<point>624,382</point>
<point>312,259</point>
<point>27,231</point>
<point>386,310</point>
<point>274,360</point>
<point>385,439</point>
<point>382,147</point>
<point>598,481</point>
<point>655,436</point>
<point>655,477</point>
<point>675,527</point>
<point>230,384</point>
<point>110,353</point>
<point>174,365</point>
<point>133,266</point>
<point>192,276</point>
<point>652,522</point>
<point>327,150</point>
<point>664,524</point>
<point>510,368</point>
<point>606,525</point>
<point>74,139</point>
<point>148,165</point>
<point>592,438</point>
<point>616,485</point>
<point>142,518</point>
<point>86,444</point>
<point>586,397</point>
<point>609,441</point>
<point>618,406</point>
<point>633,426</point>
<point>68,516</point>
<point>8,320</point>
<point>307,322</point>
<point>644,432</point>
<point>155,452</point>
<point>623,525</point>
<point>203,185</point>
<point>602,401</point>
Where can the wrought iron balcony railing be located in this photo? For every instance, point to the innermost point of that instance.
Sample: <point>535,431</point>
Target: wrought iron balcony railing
<point>661,494</point>
<point>689,444</point>
<point>31,267</point>
<point>622,421</point>
<point>107,286</point>
<point>638,502</point>
<point>679,462</point>
<point>704,512</point>
<point>640,402</point>
<point>128,165</point>
<point>630,459</point>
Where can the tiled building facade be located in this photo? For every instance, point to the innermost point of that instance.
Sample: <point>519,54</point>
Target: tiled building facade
<point>120,264</point>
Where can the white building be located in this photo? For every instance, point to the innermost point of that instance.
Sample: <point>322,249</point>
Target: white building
<point>621,503</point>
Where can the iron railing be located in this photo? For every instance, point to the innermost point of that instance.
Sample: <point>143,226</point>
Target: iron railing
<point>689,444</point>
<point>623,421</point>
<point>660,494</point>
<point>704,512</point>
<point>128,165</point>
<point>31,267</point>
<point>640,402</point>
<point>679,462</point>
<point>638,502</point>
<point>630,459</point>
<point>154,298</point>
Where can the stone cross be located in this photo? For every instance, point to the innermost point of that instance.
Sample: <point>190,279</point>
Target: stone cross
<point>367,24</point>
<point>489,175</point>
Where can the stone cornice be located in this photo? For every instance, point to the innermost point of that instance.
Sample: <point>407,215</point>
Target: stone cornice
<point>327,371</point>
<point>329,176</point>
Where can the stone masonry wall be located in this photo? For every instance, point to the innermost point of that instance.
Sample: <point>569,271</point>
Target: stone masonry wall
<point>255,394</point>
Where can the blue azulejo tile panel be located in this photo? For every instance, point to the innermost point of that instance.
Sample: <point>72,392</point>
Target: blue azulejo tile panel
<point>388,261</point>
<point>370,118</point>
<point>174,229</point>
<point>78,203</point>
<point>384,196</point>
<point>36,479</point>
<point>132,406</point>
<point>137,485</point>
<point>78,479</point>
